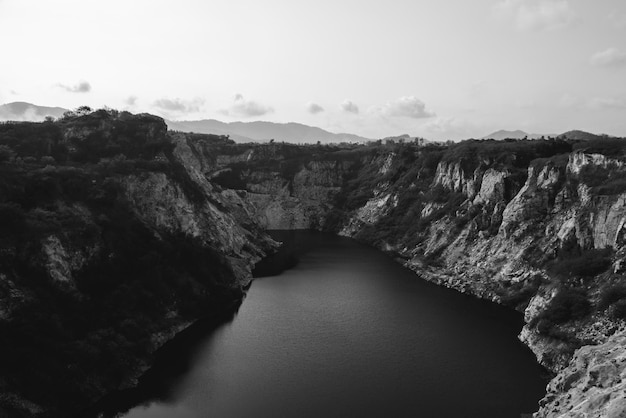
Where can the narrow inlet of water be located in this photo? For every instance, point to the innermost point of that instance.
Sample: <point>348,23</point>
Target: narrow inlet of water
<point>334,328</point>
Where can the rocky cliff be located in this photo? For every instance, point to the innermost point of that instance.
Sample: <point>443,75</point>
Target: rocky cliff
<point>119,233</point>
<point>535,225</point>
<point>112,241</point>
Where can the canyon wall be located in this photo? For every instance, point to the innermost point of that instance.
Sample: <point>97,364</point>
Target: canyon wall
<point>536,225</point>
<point>117,234</point>
<point>111,244</point>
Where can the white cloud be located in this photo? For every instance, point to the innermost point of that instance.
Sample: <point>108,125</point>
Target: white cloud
<point>536,14</point>
<point>314,108</point>
<point>407,106</point>
<point>349,106</point>
<point>178,105</point>
<point>610,57</point>
<point>246,108</point>
<point>82,87</point>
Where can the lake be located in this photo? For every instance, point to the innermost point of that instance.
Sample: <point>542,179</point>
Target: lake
<point>338,329</point>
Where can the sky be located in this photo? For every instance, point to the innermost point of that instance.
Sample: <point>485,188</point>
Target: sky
<point>440,69</point>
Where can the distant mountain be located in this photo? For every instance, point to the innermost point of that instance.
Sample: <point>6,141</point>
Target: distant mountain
<point>22,111</point>
<point>580,135</point>
<point>503,134</point>
<point>264,131</point>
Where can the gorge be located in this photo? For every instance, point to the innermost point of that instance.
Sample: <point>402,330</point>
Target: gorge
<point>120,233</point>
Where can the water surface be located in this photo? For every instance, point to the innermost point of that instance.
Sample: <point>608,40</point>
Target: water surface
<point>347,332</point>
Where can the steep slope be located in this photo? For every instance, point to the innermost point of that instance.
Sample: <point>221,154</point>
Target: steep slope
<point>535,225</point>
<point>111,243</point>
<point>108,213</point>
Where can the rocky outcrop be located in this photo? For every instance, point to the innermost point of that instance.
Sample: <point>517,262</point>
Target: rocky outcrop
<point>108,250</point>
<point>592,385</point>
<point>504,221</point>
<point>489,225</point>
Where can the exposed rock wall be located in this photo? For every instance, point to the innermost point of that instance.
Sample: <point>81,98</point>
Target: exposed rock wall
<point>508,223</point>
<point>127,244</point>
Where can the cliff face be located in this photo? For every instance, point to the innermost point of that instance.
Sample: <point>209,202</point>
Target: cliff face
<point>535,225</point>
<point>112,242</point>
<point>119,233</point>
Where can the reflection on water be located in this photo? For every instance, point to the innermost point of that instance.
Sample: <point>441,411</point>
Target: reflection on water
<point>345,332</point>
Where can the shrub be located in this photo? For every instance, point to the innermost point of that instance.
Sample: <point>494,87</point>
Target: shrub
<point>611,294</point>
<point>618,310</point>
<point>6,153</point>
<point>521,292</point>
<point>587,264</point>
<point>567,305</point>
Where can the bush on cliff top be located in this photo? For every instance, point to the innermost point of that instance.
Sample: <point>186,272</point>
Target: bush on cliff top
<point>507,153</point>
<point>611,147</point>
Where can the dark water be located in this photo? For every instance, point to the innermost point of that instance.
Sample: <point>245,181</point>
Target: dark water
<point>347,332</point>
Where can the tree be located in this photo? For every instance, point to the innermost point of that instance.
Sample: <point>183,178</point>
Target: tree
<point>6,153</point>
<point>83,110</point>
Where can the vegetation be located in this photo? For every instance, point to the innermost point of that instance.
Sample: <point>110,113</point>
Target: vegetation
<point>613,299</point>
<point>66,342</point>
<point>507,153</point>
<point>610,147</point>
<point>569,304</point>
<point>581,263</point>
<point>603,181</point>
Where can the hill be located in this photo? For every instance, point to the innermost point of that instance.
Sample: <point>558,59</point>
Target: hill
<point>264,131</point>
<point>504,134</point>
<point>579,135</point>
<point>23,111</point>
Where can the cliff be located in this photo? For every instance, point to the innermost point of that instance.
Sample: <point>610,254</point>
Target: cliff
<point>537,225</point>
<point>118,234</point>
<point>111,243</point>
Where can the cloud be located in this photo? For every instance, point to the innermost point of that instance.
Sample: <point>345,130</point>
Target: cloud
<point>408,107</point>
<point>349,106</point>
<point>536,14</point>
<point>610,57</point>
<point>178,105</point>
<point>131,100</point>
<point>246,108</point>
<point>82,87</point>
<point>314,108</point>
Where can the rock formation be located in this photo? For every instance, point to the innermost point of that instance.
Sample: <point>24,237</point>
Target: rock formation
<point>537,225</point>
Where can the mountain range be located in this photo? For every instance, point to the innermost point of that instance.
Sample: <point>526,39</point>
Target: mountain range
<point>264,131</point>
<point>238,131</point>
<point>518,134</point>
<point>27,112</point>
<point>258,130</point>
